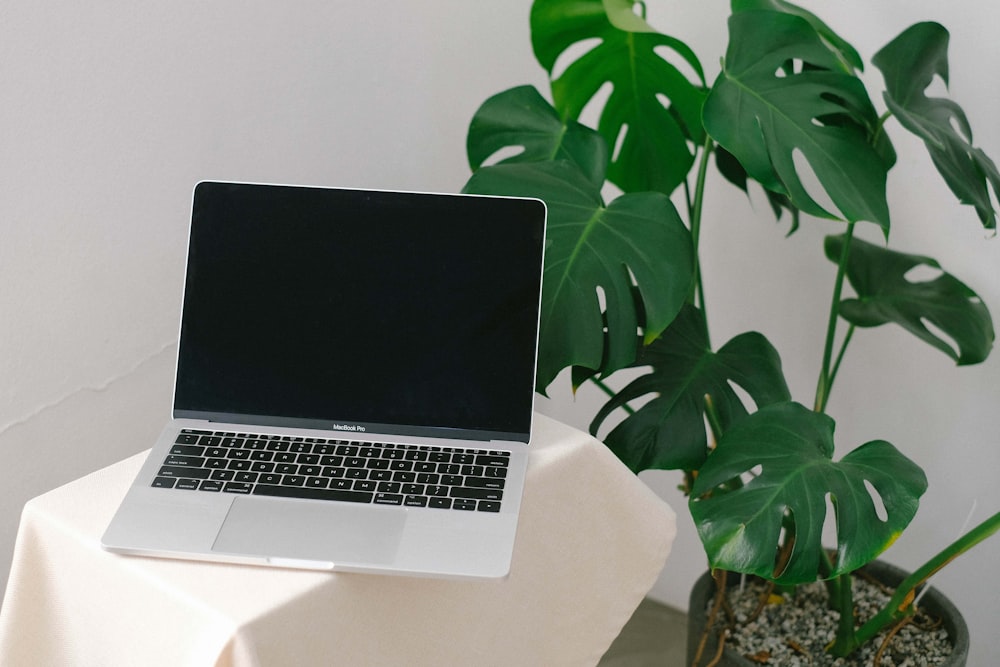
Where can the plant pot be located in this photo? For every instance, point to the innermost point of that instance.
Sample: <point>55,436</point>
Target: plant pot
<point>933,602</point>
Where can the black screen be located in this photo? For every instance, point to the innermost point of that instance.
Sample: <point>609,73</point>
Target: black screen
<point>305,306</point>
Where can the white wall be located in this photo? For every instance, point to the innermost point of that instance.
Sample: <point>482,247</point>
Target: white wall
<point>111,112</point>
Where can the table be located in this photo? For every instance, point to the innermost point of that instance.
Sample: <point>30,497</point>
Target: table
<point>591,541</point>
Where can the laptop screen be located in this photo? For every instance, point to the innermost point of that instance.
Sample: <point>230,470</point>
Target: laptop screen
<point>349,309</point>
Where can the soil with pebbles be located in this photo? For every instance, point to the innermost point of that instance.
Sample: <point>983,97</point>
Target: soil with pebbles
<point>795,632</point>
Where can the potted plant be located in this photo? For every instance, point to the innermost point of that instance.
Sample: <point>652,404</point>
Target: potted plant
<point>623,278</point>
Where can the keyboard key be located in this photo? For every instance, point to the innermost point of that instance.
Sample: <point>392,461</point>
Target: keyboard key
<point>315,494</point>
<point>187,484</point>
<point>439,503</point>
<point>415,501</point>
<point>316,482</point>
<point>181,471</point>
<point>164,482</point>
<point>467,505</point>
<point>388,499</point>
<point>210,485</point>
<point>237,487</point>
<point>488,506</point>
<point>223,475</point>
<point>187,450</point>
<point>485,482</point>
<point>293,480</point>
<point>477,494</point>
<point>502,461</point>
<point>186,439</point>
<point>185,461</point>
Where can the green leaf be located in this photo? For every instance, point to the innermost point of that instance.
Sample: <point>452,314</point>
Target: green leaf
<point>764,112</point>
<point>668,432</point>
<point>848,56</point>
<point>654,152</point>
<point>886,294</point>
<point>590,249</point>
<point>621,14</point>
<point>909,64</point>
<point>740,528</point>
<point>522,118</point>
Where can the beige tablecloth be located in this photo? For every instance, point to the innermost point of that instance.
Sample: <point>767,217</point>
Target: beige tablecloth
<point>591,542</point>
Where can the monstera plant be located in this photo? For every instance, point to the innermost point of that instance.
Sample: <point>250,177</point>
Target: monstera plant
<point>623,282</point>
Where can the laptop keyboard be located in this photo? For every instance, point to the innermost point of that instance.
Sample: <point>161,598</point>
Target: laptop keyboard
<point>340,470</point>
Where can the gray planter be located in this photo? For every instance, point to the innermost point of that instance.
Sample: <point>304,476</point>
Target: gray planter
<point>934,602</point>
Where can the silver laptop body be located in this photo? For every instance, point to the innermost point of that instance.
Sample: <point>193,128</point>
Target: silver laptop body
<point>354,387</point>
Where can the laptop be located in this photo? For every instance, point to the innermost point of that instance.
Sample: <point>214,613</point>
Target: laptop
<point>354,387</point>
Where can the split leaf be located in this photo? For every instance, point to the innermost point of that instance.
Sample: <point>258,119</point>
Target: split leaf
<point>593,250</point>
<point>961,326</point>
<point>786,451</point>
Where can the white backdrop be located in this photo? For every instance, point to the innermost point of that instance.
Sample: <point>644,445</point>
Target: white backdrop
<point>111,112</point>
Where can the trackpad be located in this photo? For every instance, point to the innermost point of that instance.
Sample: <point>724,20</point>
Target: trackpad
<point>326,532</point>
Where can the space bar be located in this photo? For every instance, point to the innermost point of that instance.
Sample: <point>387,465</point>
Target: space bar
<point>314,494</point>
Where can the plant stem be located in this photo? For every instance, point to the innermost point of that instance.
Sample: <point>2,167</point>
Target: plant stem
<point>840,356</point>
<point>826,374</point>
<point>698,289</point>
<point>833,583</point>
<point>845,641</point>
<point>900,605</point>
